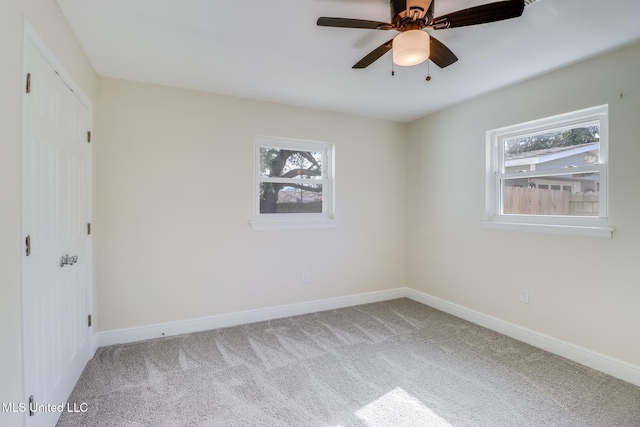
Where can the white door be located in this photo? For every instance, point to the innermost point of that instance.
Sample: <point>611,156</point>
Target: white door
<point>56,212</point>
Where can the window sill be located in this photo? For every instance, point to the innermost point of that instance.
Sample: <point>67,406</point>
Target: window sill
<point>574,230</point>
<point>292,224</point>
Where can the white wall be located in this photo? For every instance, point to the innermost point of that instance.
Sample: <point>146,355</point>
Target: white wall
<point>47,20</point>
<point>582,290</point>
<point>175,188</point>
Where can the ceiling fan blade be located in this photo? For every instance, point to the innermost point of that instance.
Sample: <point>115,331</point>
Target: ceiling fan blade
<point>352,23</point>
<point>480,14</point>
<point>440,54</point>
<point>374,55</point>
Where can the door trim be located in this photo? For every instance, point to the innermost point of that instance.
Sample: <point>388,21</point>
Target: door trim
<point>31,36</point>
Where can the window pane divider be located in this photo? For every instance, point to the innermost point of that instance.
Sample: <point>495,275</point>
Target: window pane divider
<point>551,172</point>
<point>276,180</point>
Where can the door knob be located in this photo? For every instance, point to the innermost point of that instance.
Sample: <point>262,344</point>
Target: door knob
<point>68,260</point>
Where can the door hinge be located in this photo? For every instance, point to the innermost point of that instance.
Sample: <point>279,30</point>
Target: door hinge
<point>31,406</point>
<point>89,321</point>
<point>27,241</point>
<point>88,228</point>
<point>88,136</point>
<point>28,82</point>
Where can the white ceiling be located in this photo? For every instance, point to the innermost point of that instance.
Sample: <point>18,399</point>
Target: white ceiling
<point>272,49</point>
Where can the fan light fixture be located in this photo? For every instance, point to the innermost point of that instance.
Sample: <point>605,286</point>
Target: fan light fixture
<point>411,48</point>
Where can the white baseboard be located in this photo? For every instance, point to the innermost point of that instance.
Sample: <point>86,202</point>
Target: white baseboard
<point>122,336</point>
<point>609,365</point>
<point>614,367</point>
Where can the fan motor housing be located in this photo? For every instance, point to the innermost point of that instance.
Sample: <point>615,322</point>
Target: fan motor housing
<point>417,12</point>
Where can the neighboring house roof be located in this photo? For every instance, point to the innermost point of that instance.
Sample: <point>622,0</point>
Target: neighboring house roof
<point>548,154</point>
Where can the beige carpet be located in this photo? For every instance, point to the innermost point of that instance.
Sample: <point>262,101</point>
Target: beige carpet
<point>394,363</point>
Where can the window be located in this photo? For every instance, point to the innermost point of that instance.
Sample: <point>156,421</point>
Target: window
<point>550,175</point>
<point>293,184</point>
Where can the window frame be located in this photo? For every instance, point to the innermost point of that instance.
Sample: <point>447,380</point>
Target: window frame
<point>495,174</point>
<point>278,221</point>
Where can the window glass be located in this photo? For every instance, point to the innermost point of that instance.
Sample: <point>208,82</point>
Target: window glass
<point>565,195</point>
<point>276,162</point>
<point>575,146</point>
<point>284,198</point>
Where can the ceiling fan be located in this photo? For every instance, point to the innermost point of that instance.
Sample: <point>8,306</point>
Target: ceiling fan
<point>410,17</point>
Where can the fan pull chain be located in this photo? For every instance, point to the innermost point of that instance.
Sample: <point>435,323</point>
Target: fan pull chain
<point>393,71</point>
<point>428,72</point>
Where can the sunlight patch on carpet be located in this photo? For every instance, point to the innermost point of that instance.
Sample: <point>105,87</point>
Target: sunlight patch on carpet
<point>399,408</point>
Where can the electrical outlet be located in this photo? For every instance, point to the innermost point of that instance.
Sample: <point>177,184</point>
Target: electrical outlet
<point>305,276</point>
<point>524,296</point>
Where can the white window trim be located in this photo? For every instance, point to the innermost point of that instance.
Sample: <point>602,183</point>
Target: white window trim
<point>584,226</point>
<point>274,221</point>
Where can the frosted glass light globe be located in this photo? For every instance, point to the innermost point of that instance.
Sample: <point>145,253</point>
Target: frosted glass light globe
<point>411,48</point>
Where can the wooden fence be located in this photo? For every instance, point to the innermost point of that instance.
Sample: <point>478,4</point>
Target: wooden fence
<point>535,201</point>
